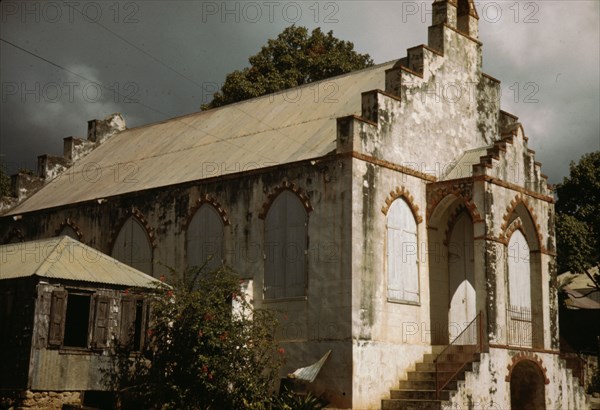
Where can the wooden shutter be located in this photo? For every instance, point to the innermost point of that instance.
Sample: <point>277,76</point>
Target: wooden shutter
<point>101,316</point>
<point>274,256</point>
<point>205,239</point>
<point>295,247</point>
<point>519,272</point>
<point>402,254</point>
<point>127,321</point>
<point>58,310</point>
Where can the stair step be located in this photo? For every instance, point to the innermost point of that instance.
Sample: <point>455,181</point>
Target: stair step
<point>424,384</point>
<point>437,349</point>
<point>460,357</point>
<point>430,376</point>
<point>443,367</point>
<point>399,404</point>
<point>418,394</point>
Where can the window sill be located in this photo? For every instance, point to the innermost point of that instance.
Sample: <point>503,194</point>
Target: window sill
<point>403,302</point>
<point>291,299</point>
<point>77,351</point>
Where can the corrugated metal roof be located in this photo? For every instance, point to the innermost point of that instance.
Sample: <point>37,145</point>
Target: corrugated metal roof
<point>582,281</point>
<point>464,166</point>
<point>292,125</point>
<point>578,300</point>
<point>65,258</point>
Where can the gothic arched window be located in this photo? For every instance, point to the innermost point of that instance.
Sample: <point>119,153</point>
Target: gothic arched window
<point>133,247</point>
<point>402,254</point>
<point>204,239</point>
<point>286,240</point>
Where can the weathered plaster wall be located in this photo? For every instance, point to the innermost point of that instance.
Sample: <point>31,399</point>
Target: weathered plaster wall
<point>516,197</point>
<point>443,104</point>
<point>486,387</point>
<point>388,337</point>
<point>310,325</point>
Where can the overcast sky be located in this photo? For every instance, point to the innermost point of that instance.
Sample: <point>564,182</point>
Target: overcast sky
<point>166,57</point>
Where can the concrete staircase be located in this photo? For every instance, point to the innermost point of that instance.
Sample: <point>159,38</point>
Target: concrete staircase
<point>417,392</point>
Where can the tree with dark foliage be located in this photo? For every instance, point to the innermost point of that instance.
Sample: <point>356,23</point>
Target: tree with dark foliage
<point>294,58</point>
<point>578,216</point>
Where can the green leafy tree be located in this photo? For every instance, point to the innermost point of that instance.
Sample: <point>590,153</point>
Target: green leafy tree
<point>202,353</point>
<point>4,182</point>
<point>294,58</point>
<point>578,217</point>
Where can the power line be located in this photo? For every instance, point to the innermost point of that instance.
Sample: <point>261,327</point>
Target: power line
<point>137,102</point>
<point>183,75</point>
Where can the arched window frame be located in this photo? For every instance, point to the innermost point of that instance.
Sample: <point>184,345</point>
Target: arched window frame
<point>279,269</point>
<point>402,254</point>
<point>148,241</point>
<point>216,219</point>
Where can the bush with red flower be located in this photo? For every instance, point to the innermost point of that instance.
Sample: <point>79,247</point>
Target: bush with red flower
<point>201,352</point>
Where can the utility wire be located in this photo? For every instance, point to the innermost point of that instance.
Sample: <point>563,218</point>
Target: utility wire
<point>142,104</point>
<point>186,77</point>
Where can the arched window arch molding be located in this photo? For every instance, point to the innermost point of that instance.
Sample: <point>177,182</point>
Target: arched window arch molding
<point>445,200</point>
<point>530,357</point>
<point>289,186</point>
<point>135,213</point>
<point>402,193</point>
<point>70,224</point>
<point>520,209</point>
<point>207,199</point>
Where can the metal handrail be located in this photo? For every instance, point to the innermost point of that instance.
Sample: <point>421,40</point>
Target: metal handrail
<point>478,349</point>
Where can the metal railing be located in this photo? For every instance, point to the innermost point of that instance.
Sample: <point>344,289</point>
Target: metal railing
<point>470,341</point>
<point>520,326</point>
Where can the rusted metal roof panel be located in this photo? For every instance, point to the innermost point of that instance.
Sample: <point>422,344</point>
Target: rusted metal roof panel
<point>65,258</point>
<point>292,125</point>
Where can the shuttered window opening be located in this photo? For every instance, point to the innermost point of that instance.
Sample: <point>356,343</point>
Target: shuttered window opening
<point>78,320</point>
<point>133,323</point>
<point>402,254</point>
<point>133,247</point>
<point>519,272</point>
<point>286,244</point>
<point>204,240</point>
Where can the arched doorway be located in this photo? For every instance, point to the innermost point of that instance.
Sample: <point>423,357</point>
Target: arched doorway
<point>461,276</point>
<point>527,387</point>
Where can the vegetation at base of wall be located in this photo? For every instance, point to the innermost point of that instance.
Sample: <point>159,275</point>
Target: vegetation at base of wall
<point>199,352</point>
<point>578,217</point>
<point>294,58</point>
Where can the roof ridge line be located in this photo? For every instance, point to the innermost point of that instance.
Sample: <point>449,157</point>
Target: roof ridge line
<point>47,264</point>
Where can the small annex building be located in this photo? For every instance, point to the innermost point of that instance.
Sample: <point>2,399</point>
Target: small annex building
<point>63,308</point>
<point>394,216</point>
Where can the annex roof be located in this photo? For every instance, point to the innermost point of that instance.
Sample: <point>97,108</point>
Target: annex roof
<point>292,125</point>
<point>464,166</point>
<point>65,258</point>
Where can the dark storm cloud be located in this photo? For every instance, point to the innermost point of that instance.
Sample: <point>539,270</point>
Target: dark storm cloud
<point>165,58</point>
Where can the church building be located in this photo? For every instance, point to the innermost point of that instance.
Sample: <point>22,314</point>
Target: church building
<point>394,215</point>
